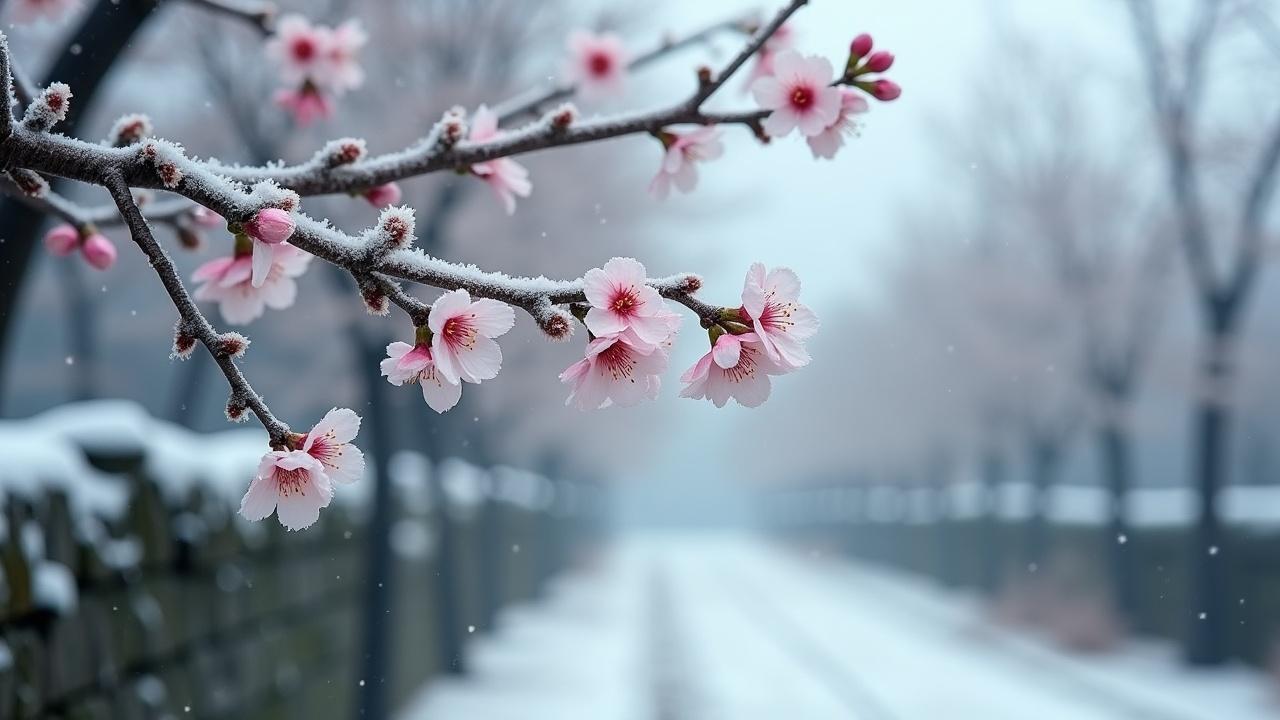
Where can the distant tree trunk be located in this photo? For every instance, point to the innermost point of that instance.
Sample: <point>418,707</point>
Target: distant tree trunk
<point>1046,462</point>
<point>989,546</point>
<point>107,29</point>
<point>1207,635</point>
<point>1115,451</point>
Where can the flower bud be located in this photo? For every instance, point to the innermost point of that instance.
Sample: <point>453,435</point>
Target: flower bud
<point>99,251</point>
<point>62,240</point>
<point>271,226</point>
<point>885,90</point>
<point>453,127</point>
<point>375,301</point>
<point>189,237</point>
<point>49,108</point>
<point>880,61</point>
<point>383,195</point>
<point>232,345</point>
<point>343,151</point>
<point>129,129</point>
<point>563,116</point>
<point>395,228</point>
<point>204,217</point>
<point>236,410</point>
<point>860,46</point>
<point>184,341</point>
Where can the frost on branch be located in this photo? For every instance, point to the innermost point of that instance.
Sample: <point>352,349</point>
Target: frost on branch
<point>130,129</point>
<point>630,321</point>
<point>49,108</point>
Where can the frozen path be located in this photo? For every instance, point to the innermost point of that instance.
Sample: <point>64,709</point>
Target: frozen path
<point>697,627</point>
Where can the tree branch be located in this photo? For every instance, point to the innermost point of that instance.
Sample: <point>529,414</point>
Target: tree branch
<point>260,15</point>
<point>193,320</point>
<point>537,100</point>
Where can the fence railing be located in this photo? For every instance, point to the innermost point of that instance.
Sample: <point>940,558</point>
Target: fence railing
<point>131,589</point>
<point>1052,567</point>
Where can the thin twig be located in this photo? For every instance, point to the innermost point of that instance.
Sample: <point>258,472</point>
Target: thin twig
<point>537,100</point>
<point>194,321</point>
<point>261,15</point>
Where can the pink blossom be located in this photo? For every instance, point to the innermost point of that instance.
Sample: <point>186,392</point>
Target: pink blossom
<point>330,443</point>
<point>621,301</point>
<point>227,282</point>
<point>306,105</point>
<point>614,372</point>
<point>62,240</point>
<point>505,176</point>
<point>99,251</point>
<point>826,143</point>
<point>597,63</point>
<point>290,483</point>
<point>771,303</point>
<point>735,367</point>
<point>383,195</point>
<point>29,11</point>
<point>340,67</point>
<point>462,343</point>
<point>407,363</point>
<point>269,228</point>
<point>300,48</point>
<point>678,164</point>
<point>800,95</point>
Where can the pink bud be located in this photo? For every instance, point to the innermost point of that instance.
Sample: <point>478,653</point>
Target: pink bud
<point>62,240</point>
<point>383,195</point>
<point>885,90</point>
<point>271,226</point>
<point>880,61</point>
<point>98,251</point>
<point>861,45</point>
<point>205,217</point>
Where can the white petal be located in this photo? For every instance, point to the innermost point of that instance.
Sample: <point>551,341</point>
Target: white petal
<point>727,352</point>
<point>439,394</point>
<point>481,362</point>
<point>492,318</point>
<point>263,256</point>
<point>260,500</point>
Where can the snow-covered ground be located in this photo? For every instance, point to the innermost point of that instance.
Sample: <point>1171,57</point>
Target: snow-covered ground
<point>704,627</point>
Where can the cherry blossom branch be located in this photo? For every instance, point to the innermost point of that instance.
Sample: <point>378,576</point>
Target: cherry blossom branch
<point>536,101</point>
<point>441,151</point>
<point>708,88</point>
<point>59,206</point>
<point>193,325</point>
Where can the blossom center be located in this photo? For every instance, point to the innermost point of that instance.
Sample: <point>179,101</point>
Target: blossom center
<point>599,64</point>
<point>777,316</point>
<point>801,97</point>
<point>291,482</point>
<point>459,332</point>
<point>304,49</point>
<point>618,362</point>
<point>626,301</point>
<point>745,369</point>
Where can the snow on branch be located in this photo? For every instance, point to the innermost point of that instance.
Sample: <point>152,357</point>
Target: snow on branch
<point>629,325</point>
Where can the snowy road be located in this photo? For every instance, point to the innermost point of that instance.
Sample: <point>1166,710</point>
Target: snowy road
<point>725,627</point>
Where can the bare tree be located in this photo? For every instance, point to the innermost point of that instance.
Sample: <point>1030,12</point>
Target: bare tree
<point>1177,82</point>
